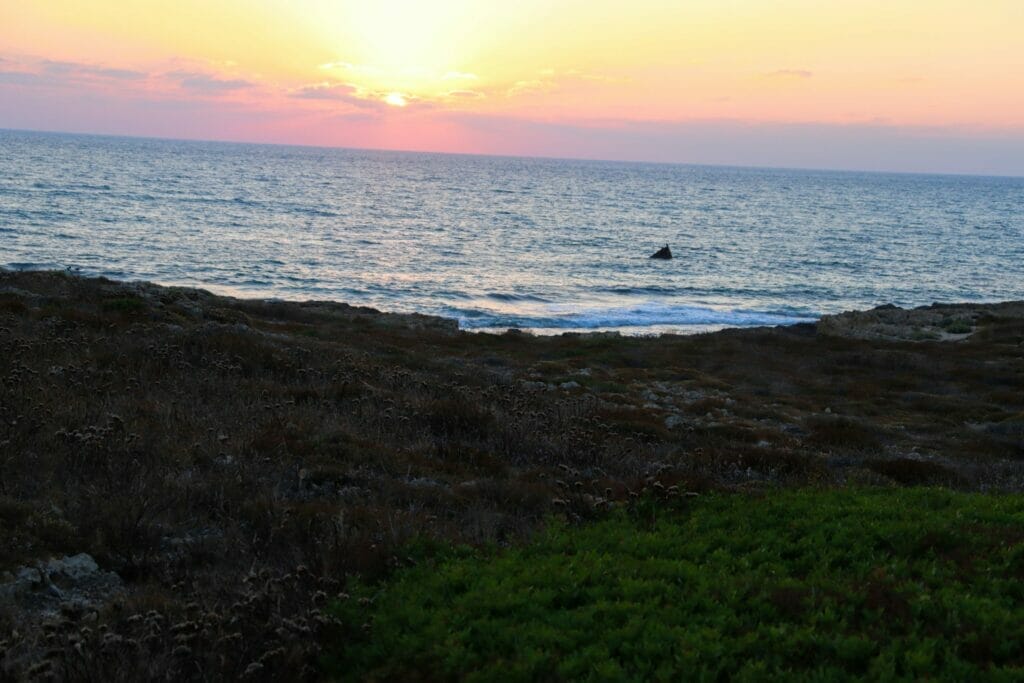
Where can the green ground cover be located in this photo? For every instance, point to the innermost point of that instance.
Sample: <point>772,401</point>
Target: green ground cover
<point>819,585</point>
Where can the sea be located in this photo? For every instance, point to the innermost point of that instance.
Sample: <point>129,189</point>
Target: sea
<point>548,245</point>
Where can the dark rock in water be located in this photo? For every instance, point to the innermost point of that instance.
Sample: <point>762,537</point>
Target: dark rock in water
<point>663,253</point>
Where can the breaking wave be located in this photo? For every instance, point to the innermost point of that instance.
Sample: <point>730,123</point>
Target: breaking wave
<point>639,315</point>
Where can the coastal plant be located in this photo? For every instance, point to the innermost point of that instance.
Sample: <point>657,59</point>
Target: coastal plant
<point>188,441</point>
<point>815,585</point>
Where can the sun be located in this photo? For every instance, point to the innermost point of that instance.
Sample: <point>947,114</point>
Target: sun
<point>400,47</point>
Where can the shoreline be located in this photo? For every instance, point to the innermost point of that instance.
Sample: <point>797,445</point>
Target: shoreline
<point>924,322</point>
<point>648,330</point>
<point>652,330</point>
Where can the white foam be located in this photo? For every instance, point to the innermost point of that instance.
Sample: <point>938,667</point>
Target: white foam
<point>649,314</point>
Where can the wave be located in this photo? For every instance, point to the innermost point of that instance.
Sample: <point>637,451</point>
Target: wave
<point>636,316</point>
<point>31,265</point>
<point>633,291</point>
<point>504,296</point>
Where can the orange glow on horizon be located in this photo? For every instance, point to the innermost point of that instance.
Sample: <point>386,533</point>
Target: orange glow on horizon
<point>936,64</point>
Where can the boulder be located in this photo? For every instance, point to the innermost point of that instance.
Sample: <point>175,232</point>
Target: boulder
<point>75,579</point>
<point>673,421</point>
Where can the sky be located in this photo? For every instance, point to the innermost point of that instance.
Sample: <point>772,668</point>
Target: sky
<point>904,85</point>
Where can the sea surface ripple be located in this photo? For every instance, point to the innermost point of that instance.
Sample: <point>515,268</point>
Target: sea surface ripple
<point>550,245</point>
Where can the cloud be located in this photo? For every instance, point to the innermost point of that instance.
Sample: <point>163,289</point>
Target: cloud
<point>528,86</point>
<point>550,79</point>
<point>576,74</point>
<point>459,76</point>
<point>326,91</point>
<point>341,92</point>
<point>366,99</point>
<point>171,79</point>
<point>466,94</point>
<point>24,78</point>
<point>89,70</point>
<point>47,72</point>
<point>730,142</point>
<point>201,82</point>
<point>363,69</point>
<point>791,73</point>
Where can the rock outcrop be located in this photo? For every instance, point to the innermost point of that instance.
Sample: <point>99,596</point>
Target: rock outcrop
<point>75,582</point>
<point>938,322</point>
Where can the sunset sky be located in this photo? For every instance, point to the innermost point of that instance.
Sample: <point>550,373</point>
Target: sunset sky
<point>924,85</point>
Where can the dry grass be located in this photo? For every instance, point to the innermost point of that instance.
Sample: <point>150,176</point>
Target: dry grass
<point>235,461</point>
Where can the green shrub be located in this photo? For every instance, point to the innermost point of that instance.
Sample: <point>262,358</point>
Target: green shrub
<point>810,585</point>
<point>128,305</point>
<point>957,326</point>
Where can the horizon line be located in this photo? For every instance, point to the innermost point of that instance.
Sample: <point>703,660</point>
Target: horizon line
<point>511,156</point>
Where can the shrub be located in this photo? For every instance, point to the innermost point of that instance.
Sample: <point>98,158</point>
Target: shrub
<point>957,327</point>
<point>842,432</point>
<point>915,472</point>
<point>811,585</point>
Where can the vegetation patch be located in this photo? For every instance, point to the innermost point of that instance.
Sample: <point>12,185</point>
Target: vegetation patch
<point>957,326</point>
<point>125,304</point>
<point>842,432</point>
<point>911,472</point>
<point>825,585</point>
<point>234,464</point>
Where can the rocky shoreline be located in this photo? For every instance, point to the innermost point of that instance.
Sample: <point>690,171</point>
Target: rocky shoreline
<point>937,322</point>
<point>188,480</point>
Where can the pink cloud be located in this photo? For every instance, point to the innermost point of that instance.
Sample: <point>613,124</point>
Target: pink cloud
<point>194,101</point>
<point>207,83</point>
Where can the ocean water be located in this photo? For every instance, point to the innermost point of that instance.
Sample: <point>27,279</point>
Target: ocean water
<point>550,245</point>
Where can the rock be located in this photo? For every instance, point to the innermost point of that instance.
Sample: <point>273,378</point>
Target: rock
<point>534,386</point>
<point>569,385</point>
<point>189,308</point>
<point>673,421</point>
<point>47,587</point>
<point>606,334</point>
<point>938,322</point>
<point>425,483</point>
<point>664,253</point>
<point>25,581</point>
<point>76,567</point>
